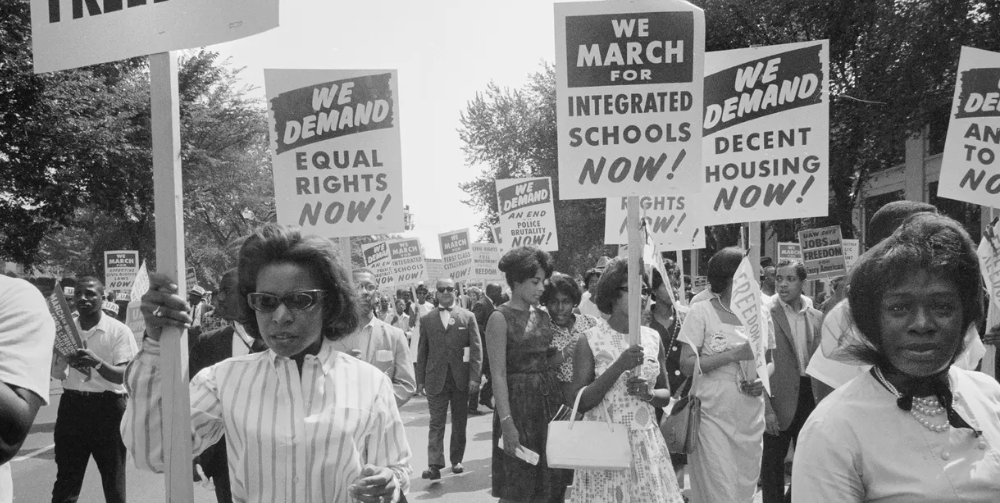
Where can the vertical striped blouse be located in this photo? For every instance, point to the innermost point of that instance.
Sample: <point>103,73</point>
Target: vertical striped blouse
<point>289,439</point>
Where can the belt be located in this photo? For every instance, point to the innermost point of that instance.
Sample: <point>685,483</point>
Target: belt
<point>92,394</point>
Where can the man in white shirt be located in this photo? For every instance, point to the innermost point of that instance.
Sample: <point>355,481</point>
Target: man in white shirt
<point>796,334</point>
<point>27,333</point>
<point>93,400</point>
<point>378,342</point>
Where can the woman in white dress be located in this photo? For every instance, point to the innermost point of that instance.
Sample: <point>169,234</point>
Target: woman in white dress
<point>725,463</point>
<point>603,367</point>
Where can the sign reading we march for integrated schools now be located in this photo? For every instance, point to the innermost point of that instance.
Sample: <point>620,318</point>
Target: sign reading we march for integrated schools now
<point>970,165</point>
<point>823,252</point>
<point>73,33</point>
<point>670,221</point>
<point>335,150</point>
<point>766,133</point>
<point>628,97</point>
<point>408,266</point>
<point>456,253</point>
<point>527,214</point>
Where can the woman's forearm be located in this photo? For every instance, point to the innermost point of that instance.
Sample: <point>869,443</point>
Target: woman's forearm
<point>594,392</point>
<point>708,363</point>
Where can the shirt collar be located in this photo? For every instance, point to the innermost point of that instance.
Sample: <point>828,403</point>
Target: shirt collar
<point>101,326</point>
<point>326,356</point>
<point>806,304</point>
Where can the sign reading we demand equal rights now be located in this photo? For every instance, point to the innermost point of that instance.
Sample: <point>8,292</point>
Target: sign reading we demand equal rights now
<point>970,167</point>
<point>335,150</point>
<point>766,133</point>
<point>629,97</point>
<point>527,214</point>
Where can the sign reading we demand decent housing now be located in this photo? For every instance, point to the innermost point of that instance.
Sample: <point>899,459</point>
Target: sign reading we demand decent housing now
<point>335,150</point>
<point>970,167</point>
<point>628,97</point>
<point>527,214</point>
<point>766,133</point>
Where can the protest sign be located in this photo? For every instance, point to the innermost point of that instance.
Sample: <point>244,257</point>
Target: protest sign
<point>629,79</point>
<point>989,265</point>
<point>140,285</point>
<point>527,215</point>
<point>120,268</point>
<point>408,267</point>
<point>335,150</point>
<point>67,339</point>
<point>852,252</point>
<point>498,237</point>
<point>191,277</point>
<point>789,251</point>
<point>435,271</point>
<point>456,254</point>
<point>376,257</point>
<point>669,222</point>
<point>134,320</point>
<point>68,34</point>
<point>748,306</point>
<point>485,259</point>
<point>970,170</point>
<point>823,252</point>
<point>766,133</point>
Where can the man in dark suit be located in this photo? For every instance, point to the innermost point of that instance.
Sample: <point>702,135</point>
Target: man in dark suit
<point>796,336</point>
<point>209,348</point>
<point>449,365</point>
<point>483,309</point>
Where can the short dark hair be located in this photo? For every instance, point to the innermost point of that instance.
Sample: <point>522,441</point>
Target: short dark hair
<point>925,242</point>
<point>276,244</point>
<point>523,263</point>
<point>564,284</point>
<point>589,276</point>
<point>722,266</point>
<point>89,279</point>
<point>890,216</point>
<point>766,261</point>
<point>800,268</point>
<point>607,286</point>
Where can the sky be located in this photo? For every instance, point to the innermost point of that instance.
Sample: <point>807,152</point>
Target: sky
<point>445,52</point>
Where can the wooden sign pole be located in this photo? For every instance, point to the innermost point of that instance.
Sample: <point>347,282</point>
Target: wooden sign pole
<point>168,201</point>
<point>635,245</point>
<point>345,254</point>
<point>681,294</point>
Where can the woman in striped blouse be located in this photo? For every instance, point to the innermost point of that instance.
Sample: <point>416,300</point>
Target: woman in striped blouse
<point>302,421</point>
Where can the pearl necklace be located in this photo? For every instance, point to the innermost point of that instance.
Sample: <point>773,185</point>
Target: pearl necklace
<point>923,408</point>
<point>724,307</point>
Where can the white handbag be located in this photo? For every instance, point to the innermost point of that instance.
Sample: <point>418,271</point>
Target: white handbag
<point>588,445</point>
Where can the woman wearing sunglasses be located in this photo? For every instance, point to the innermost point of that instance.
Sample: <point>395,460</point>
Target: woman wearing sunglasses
<point>625,382</point>
<point>302,421</point>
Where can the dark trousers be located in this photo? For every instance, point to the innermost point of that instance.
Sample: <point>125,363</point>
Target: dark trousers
<point>485,393</point>
<point>772,464</point>
<point>438,405</point>
<point>87,425</point>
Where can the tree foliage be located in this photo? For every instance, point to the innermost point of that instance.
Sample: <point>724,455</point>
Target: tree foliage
<point>892,73</point>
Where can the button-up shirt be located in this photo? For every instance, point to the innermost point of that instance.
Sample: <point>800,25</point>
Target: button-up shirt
<point>290,438</point>
<point>112,342</point>
<point>800,329</point>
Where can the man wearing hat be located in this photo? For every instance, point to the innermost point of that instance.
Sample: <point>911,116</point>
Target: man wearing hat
<point>196,297</point>
<point>587,305</point>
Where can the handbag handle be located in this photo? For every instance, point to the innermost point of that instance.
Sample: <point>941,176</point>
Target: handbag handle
<point>576,406</point>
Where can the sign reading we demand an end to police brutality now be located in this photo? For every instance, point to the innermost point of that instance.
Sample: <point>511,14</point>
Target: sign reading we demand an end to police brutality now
<point>629,97</point>
<point>376,256</point>
<point>970,166</point>
<point>527,214</point>
<point>73,33</point>
<point>670,221</point>
<point>335,150</point>
<point>766,133</point>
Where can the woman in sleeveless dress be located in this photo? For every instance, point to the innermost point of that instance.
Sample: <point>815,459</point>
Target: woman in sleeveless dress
<point>525,389</point>
<point>725,464</point>
<point>604,369</point>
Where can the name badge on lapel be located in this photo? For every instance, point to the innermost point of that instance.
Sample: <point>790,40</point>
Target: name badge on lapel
<point>383,355</point>
<point>465,354</point>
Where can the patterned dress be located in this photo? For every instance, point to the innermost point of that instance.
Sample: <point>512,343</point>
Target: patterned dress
<point>565,337</point>
<point>651,478</point>
<point>534,396</point>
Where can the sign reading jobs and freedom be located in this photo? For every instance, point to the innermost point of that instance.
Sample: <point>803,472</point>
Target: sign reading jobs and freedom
<point>970,167</point>
<point>408,267</point>
<point>120,268</point>
<point>335,150</point>
<point>669,220</point>
<point>527,215</point>
<point>823,252</point>
<point>73,33</point>
<point>766,133</point>
<point>376,256</point>
<point>456,253</point>
<point>629,81</point>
